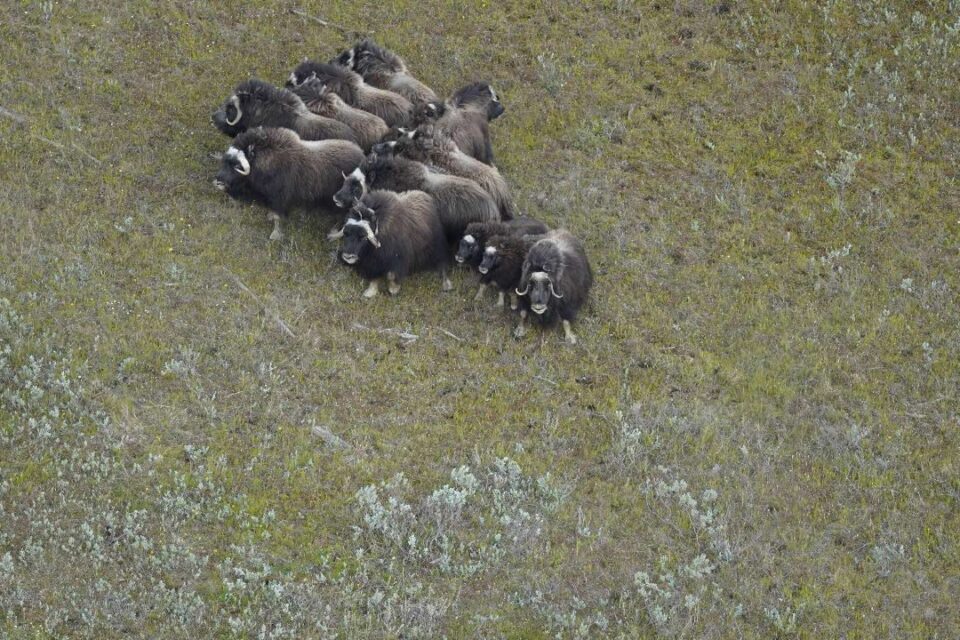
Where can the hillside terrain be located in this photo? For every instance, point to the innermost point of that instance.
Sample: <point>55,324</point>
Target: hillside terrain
<point>204,433</point>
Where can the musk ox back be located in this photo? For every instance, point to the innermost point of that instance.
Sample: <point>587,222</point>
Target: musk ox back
<point>382,68</point>
<point>460,201</point>
<point>390,235</point>
<point>432,146</point>
<point>464,117</point>
<point>555,280</point>
<point>368,128</point>
<point>278,169</point>
<point>392,107</point>
<point>255,103</point>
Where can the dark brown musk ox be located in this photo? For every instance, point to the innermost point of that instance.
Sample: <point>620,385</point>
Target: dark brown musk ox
<point>319,99</point>
<point>502,264</point>
<point>383,68</point>
<point>465,117</point>
<point>255,103</point>
<point>460,201</point>
<point>555,281</point>
<point>477,234</point>
<point>276,168</point>
<point>434,147</point>
<point>391,235</point>
<point>392,107</point>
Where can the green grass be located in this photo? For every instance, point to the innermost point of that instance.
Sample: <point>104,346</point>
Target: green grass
<point>732,341</point>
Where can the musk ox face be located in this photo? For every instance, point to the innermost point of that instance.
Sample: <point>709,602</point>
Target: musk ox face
<point>233,176</point>
<point>494,107</point>
<point>480,96</point>
<point>346,59</point>
<point>468,250</point>
<point>539,287</point>
<point>354,187</point>
<point>229,117</point>
<point>491,260</point>
<point>359,235</point>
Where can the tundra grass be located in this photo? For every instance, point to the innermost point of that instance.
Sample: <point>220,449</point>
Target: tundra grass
<point>206,434</point>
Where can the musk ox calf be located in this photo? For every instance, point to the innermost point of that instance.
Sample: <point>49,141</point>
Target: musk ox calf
<point>477,234</point>
<point>259,104</point>
<point>431,146</point>
<point>555,281</point>
<point>384,69</point>
<point>502,264</point>
<point>278,169</point>
<point>390,235</point>
<point>459,201</point>
<point>464,117</point>
<point>392,107</point>
<point>368,128</point>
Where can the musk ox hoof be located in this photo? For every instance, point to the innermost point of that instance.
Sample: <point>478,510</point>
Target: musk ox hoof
<point>394,288</point>
<point>447,285</point>
<point>371,291</point>
<point>520,331</point>
<point>276,235</point>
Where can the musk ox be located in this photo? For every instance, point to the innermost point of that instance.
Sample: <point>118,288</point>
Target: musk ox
<point>476,235</point>
<point>459,201</point>
<point>464,117</point>
<point>255,103</point>
<point>368,128</point>
<point>555,281</point>
<point>392,107</point>
<point>431,146</point>
<point>382,68</point>
<point>502,264</point>
<point>390,235</point>
<point>278,169</point>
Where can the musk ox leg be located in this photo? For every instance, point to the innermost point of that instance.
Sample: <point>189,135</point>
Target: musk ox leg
<point>372,289</point>
<point>392,285</point>
<point>521,329</point>
<point>514,303</point>
<point>335,234</point>
<point>445,283</point>
<point>568,333</point>
<point>499,303</point>
<point>480,291</point>
<point>277,233</point>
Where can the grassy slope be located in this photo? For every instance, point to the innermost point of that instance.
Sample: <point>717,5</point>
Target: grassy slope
<point>815,392</point>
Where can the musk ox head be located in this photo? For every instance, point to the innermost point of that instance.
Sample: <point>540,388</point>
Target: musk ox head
<point>542,276</point>
<point>238,166</point>
<point>233,178</point>
<point>354,187</point>
<point>428,112</point>
<point>491,259</point>
<point>479,96</point>
<point>249,105</point>
<point>469,250</point>
<point>326,73</point>
<point>359,234</point>
<point>346,59</point>
<point>388,144</point>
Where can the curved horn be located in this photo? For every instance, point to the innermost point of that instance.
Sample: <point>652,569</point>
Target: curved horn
<point>525,291</point>
<point>366,227</point>
<point>553,291</point>
<point>244,168</point>
<point>236,103</point>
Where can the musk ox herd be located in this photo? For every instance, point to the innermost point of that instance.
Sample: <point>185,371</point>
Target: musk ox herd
<point>412,174</point>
